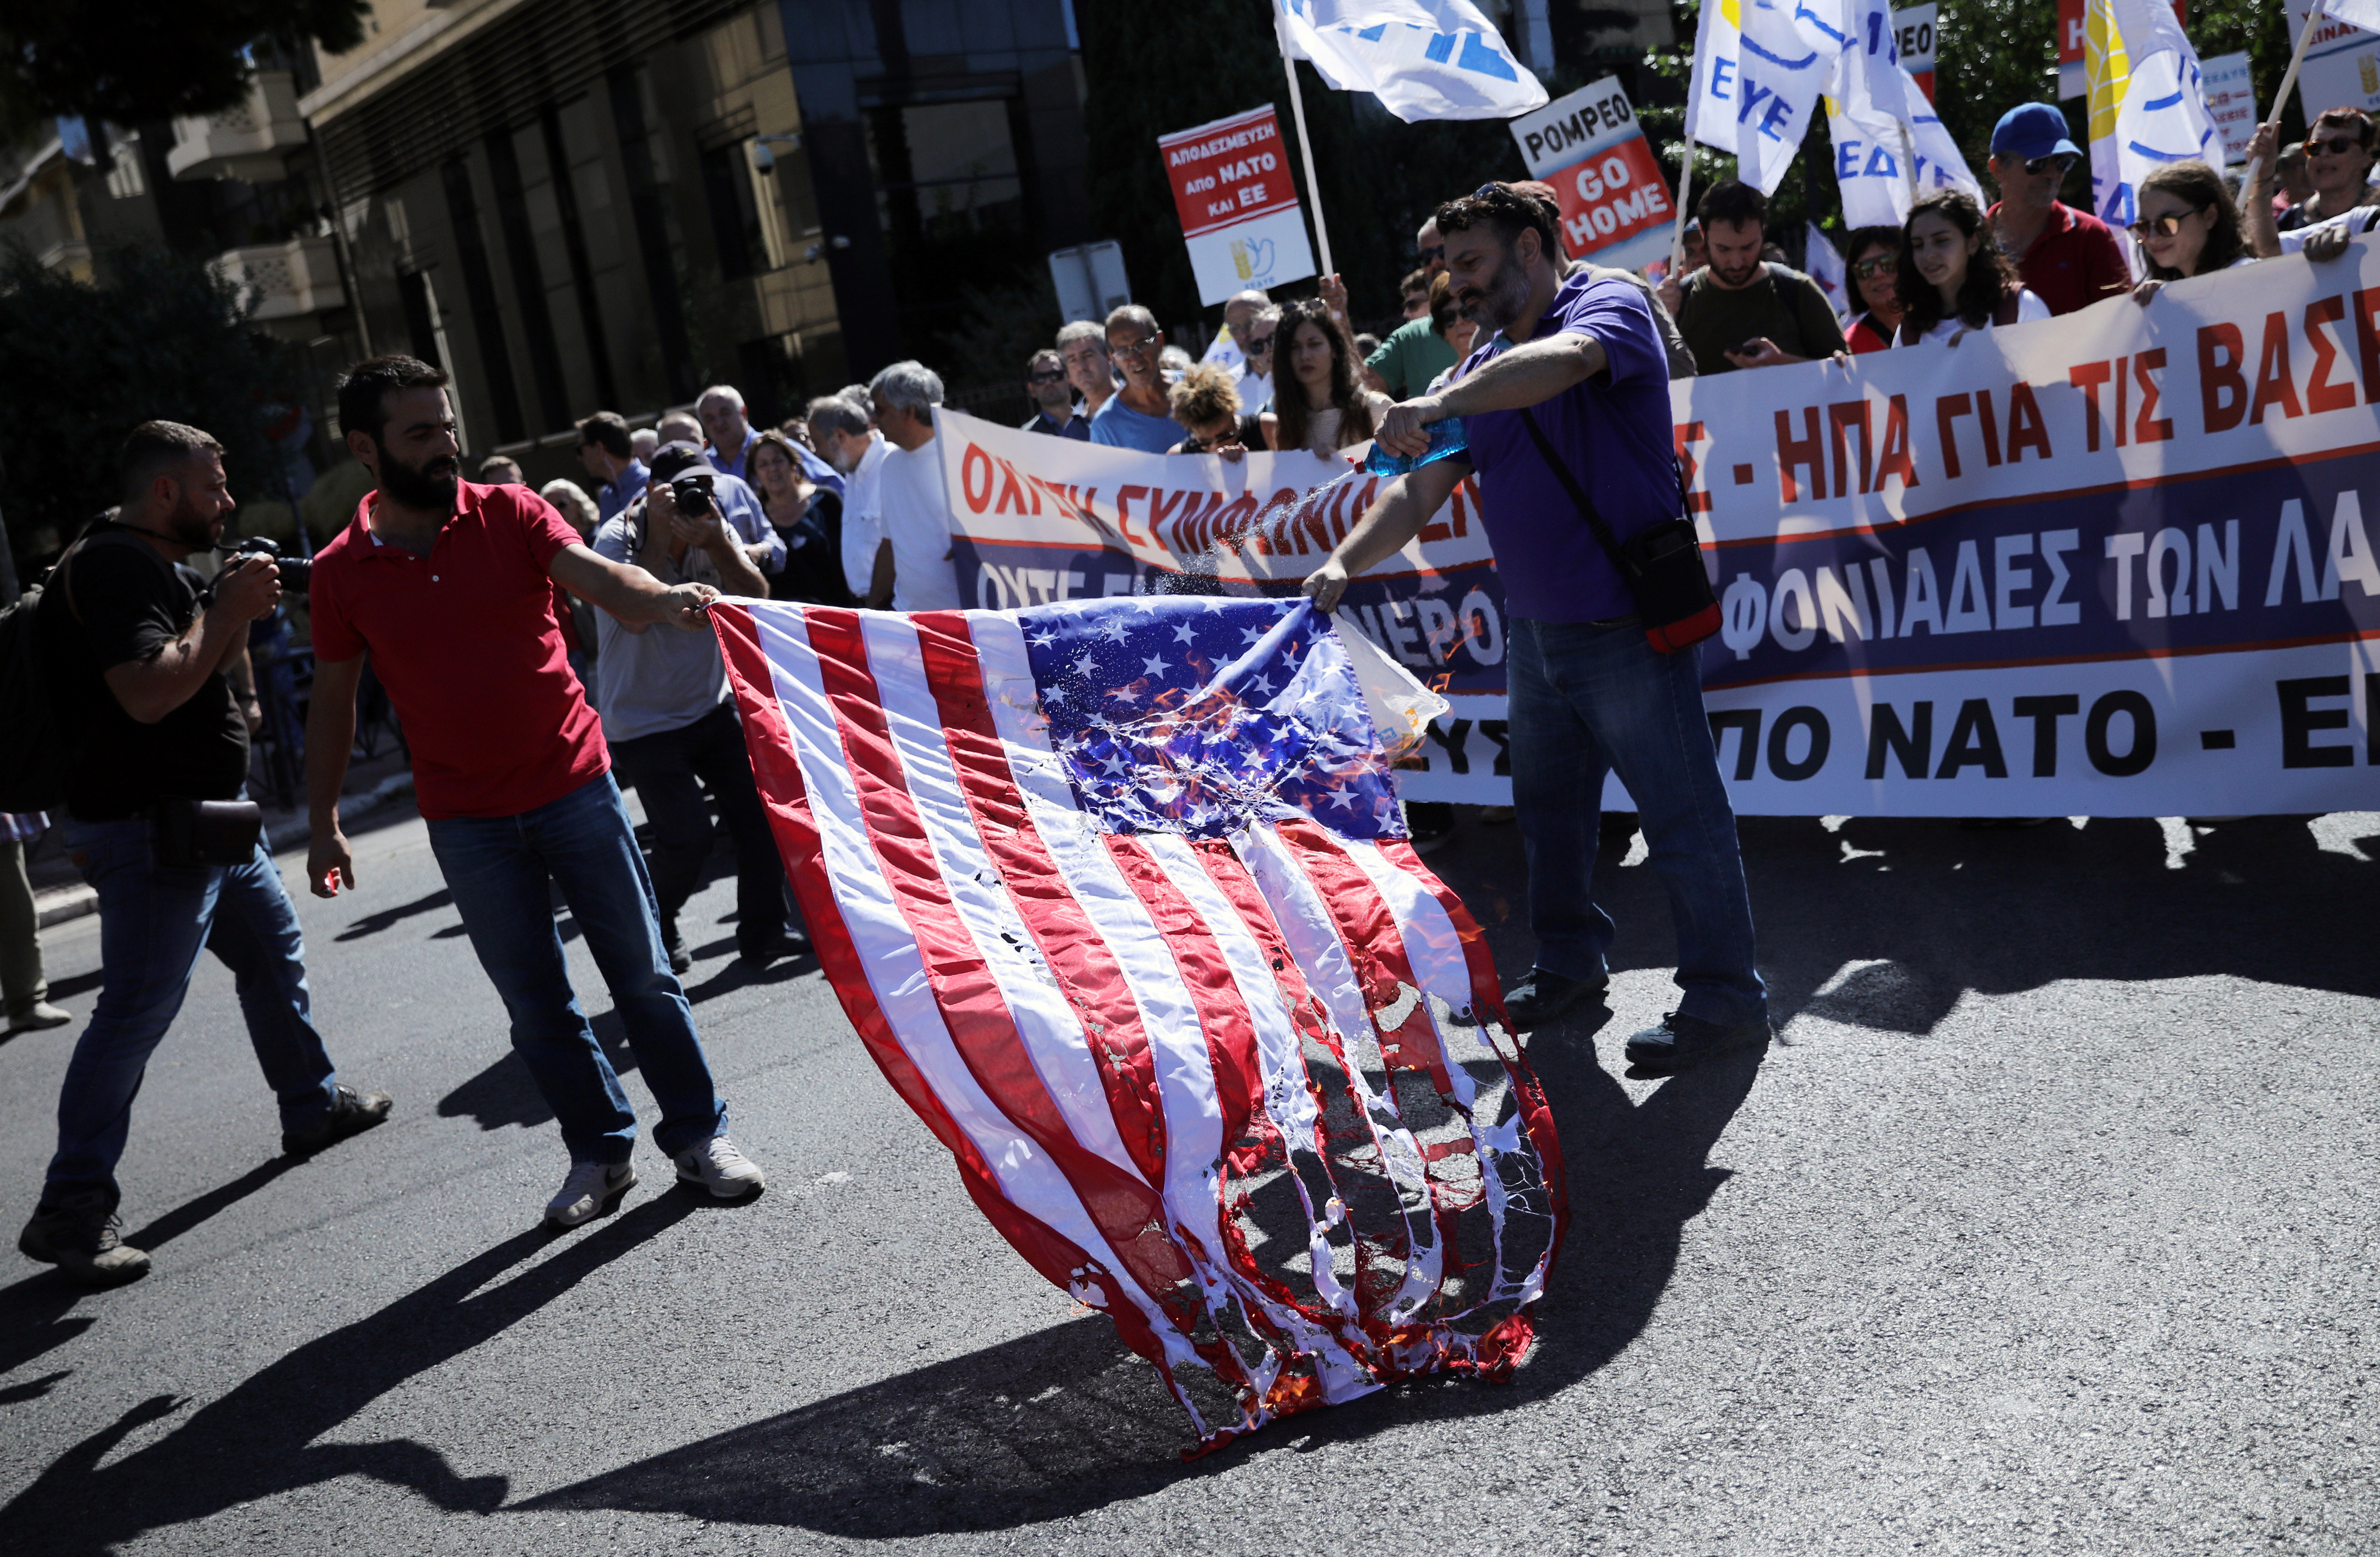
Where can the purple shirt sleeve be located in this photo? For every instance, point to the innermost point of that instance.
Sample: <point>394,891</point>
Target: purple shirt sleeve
<point>1615,314</point>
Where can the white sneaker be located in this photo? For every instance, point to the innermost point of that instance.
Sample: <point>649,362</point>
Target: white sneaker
<point>589,1188</point>
<point>720,1168</point>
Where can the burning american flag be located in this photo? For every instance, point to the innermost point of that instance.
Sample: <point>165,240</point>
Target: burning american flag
<point>1118,895</point>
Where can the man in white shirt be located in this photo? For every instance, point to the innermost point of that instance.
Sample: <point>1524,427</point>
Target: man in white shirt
<point>917,505</point>
<point>839,429</point>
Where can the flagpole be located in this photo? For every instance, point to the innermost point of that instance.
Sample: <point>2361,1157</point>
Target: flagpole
<point>2288,79</point>
<point>1305,146</point>
<point>1686,174</point>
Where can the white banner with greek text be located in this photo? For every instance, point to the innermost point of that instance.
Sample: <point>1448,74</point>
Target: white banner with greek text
<point>2116,564</point>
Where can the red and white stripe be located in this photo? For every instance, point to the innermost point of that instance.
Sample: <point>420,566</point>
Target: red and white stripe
<point>1095,1025</point>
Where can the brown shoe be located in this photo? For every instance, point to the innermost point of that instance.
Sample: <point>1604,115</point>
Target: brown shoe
<point>351,1113</point>
<point>78,1233</point>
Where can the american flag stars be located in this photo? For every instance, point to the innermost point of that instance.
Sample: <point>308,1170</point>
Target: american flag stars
<point>1200,715</point>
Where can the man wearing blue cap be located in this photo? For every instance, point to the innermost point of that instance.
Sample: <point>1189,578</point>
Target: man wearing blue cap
<point>2069,258</point>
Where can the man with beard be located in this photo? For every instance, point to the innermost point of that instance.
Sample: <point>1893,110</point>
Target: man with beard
<point>1587,694</point>
<point>1740,311</point>
<point>450,587</point>
<point>138,651</point>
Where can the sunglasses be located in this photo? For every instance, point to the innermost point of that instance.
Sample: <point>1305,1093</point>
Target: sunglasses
<point>2061,161</point>
<point>1058,377</point>
<point>1209,445</point>
<point>2168,225</point>
<point>1876,265</point>
<point>1435,251</point>
<point>1259,345</point>
<point>2333,145</point>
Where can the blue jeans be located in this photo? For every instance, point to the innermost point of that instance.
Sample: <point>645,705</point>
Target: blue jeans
<point>497,868</point>
<point>668,772</point>
<point>154,919</point>
<point>1586,701</point>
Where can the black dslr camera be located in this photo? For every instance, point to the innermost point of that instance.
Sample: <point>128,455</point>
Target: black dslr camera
<point>692,494</point>
<point>297,573</point>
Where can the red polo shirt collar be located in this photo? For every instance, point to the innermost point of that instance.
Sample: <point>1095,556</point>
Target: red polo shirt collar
<point>467,643</point>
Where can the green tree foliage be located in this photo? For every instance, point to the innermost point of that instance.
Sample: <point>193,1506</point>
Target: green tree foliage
<point>1154,69</point>
<point>152,62</point>
<point>163,339</point>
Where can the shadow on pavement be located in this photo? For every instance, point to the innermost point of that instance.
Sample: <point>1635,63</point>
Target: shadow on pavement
<point>384,919</point>
<point>506,1093</point>
<point>36,1314</point>
<point>260,1440</point>
<point>1066,1421</point>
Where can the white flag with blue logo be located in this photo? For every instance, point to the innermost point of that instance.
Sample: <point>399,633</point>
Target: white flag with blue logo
<point>1423,59</point>
<point>1788,51</point>
<point>2148,100</point>
<point>1890,147</point>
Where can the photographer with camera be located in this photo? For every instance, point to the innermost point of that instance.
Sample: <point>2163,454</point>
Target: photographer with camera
<point>668,714</point>
<point>142,657</point>
<point>451,587</point>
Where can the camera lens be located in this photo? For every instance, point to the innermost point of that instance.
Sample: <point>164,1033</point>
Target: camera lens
<point>691,495</point>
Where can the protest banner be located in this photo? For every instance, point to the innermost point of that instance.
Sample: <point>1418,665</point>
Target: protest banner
<point>1239,208</point>
<point>2231,102</point>
<point>2114,563</point>
<point>1615,202</point>
<point>2341,68</point>
<point>1915,26</point>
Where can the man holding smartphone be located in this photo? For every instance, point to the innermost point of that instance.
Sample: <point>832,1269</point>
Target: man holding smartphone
<point>450,587</point>
<point>1740,311</point>
<point>143,658</point>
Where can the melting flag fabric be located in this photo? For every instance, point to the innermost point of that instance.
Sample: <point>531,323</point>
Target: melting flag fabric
<point>1118,896</point>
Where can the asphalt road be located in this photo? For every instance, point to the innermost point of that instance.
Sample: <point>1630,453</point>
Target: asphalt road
<point>2045,1227</point>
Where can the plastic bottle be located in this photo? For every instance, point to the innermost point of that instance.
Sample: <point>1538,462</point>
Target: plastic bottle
<point>1445,438</point>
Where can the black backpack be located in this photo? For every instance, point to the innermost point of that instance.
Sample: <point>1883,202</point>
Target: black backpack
<point>37,759</point>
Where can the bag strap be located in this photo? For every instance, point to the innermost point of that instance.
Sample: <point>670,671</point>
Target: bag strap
<point>1586,509</point>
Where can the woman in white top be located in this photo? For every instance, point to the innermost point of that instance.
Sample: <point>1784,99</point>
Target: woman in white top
<point>1318,400</point>
<point>1953,278</point>
<point>2188,226</point>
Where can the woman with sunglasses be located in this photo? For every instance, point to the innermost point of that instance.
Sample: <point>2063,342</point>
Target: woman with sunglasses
<point>1875,264</point>
<point>1952,278</point>
<point>2340,149</point>
<point>2188,226</point>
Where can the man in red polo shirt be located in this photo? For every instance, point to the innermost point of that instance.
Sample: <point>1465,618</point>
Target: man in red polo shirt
<point>2069,258</point>
<point>450,587</point>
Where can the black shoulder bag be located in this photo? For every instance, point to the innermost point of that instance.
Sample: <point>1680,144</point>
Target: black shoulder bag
<point>1663,564</point>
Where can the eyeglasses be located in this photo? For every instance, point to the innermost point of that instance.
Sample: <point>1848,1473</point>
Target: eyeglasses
<point>1436,253</point>
<point>2061,161</point>
<point>1058,377</point>
<point>1209,445</point>
<point>1142,347</point>
<point>2335,145</point>
<point>2168,225</point>
<point>1876,265</point>
<point>1259,345</point>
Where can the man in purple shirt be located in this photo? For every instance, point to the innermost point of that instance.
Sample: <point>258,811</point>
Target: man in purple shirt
<point>1587,695</point>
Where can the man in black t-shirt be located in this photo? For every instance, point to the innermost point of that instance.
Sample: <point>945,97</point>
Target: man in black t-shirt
<point>1740,311</point>
<point>138,650</point>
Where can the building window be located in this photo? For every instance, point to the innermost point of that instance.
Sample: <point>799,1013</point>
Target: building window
<point>951,199</point>
<point>736,211</point>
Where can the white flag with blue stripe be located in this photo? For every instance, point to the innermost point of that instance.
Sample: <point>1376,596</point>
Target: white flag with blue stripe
<point>1788,50</point>
<point>2148,100</point>
<point>1890,147</point>
<point>1423,59</point>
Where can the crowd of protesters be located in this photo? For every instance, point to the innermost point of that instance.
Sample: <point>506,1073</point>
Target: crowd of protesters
<point>543,648</point>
